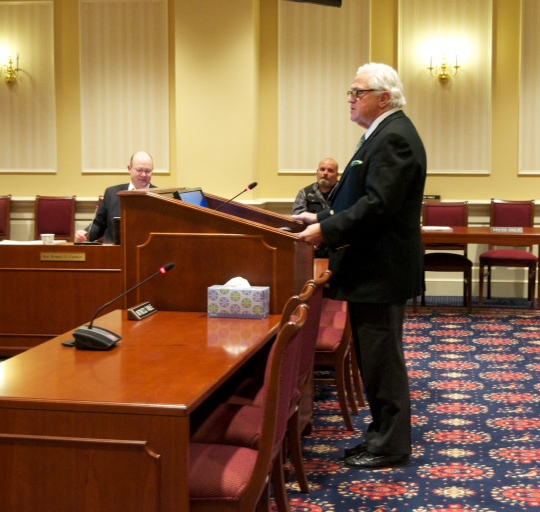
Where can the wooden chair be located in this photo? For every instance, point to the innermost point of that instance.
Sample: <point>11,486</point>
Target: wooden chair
<point>5,217</point>
<point>333,353</point>
<point>252,390</point>
<point>509,214</point>
<point>338,319</point>
<point>435,213</point>
<point>301,412</point>
<point>55,214</point>
<point>356,378</point>
<point>225,474</point>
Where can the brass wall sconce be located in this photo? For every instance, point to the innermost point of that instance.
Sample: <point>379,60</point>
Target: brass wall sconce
<point>443,71</point>
<point>11,72</point>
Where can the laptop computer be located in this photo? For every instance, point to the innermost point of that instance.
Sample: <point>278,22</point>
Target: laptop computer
<point>193,196</point>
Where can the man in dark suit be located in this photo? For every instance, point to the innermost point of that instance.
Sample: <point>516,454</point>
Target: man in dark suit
<point>140,168</point>
<point>373,230</point>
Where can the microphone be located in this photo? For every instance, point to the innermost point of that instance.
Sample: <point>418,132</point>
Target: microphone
<point>98,338</point>
<point>251,186</point>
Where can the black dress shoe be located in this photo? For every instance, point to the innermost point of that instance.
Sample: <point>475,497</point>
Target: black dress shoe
<point>368,460</point>
<point>359,449</point>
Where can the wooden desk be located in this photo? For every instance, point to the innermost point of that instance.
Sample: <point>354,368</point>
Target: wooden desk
<point>110,430</point>
<point>47,289</point>
<point>483,235</point>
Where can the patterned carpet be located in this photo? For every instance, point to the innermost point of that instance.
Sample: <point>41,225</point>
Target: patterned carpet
<point>475,391</point>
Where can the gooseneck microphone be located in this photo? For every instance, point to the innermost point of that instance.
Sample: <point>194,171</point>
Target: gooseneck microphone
<point>251,186</point>
<point>98,338</point>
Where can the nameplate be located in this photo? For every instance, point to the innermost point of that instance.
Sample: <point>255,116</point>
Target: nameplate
<point>505,230</point>
<point>432,197</point>
<point>141,311</point>
<point>62,256</point>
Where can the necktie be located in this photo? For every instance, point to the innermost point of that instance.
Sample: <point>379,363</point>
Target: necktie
<point>360,142</point>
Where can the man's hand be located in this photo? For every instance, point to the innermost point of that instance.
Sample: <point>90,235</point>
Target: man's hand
<point>306,217</point>
<point>312,235</point>
<point>81,235</point>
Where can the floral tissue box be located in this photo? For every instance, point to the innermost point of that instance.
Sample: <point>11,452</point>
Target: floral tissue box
<point>234,302</point>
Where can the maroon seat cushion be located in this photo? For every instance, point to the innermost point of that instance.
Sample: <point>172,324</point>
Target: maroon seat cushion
<point>219,472</point>
<point>335,319</point>
<point>232,424</point>
<point>328,339</point>
<point>508,254</point>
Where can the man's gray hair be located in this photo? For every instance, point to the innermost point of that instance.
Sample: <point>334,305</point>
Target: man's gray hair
<point>382,77</point>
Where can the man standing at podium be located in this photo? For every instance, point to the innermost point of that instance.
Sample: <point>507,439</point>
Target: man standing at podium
<point>376,257</point>
<point>140,168</point>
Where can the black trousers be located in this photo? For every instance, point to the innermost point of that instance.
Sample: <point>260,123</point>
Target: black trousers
<point>378,337</point>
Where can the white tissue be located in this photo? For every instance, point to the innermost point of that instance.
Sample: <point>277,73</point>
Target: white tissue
<point>238,282</point>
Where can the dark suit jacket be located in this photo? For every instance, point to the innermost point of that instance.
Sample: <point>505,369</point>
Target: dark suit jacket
<point>373,227</point>
<point>103,223</point>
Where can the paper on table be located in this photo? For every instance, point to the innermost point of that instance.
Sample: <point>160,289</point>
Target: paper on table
<point>29,242</point>
<point>436,228</point>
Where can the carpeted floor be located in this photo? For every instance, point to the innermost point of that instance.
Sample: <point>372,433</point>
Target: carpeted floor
<point>475,386</point>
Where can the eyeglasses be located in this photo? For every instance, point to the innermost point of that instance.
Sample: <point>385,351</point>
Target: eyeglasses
<point>142,171</point>
<point>357,93</point>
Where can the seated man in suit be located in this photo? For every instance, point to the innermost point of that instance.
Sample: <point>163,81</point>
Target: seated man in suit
<point>140,169</point>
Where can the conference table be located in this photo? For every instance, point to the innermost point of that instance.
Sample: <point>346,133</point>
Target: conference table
<point>481,235</point>
<point>109,430</point>
<point>517,237</point>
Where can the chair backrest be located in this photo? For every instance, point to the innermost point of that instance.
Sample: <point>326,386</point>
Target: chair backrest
<point>334,327</point>
<point>334,313</point>
<point>281,379</point>
<point>55,214</point>
<point>313,297</point>
<point>310,295</point>
<point>511,214</point>
<point>5,217</point>
<point>323,279</point>
<point>451,213</point>
<point>454,213</point>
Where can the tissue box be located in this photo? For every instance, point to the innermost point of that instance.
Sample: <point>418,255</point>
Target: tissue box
<point>227,301</point>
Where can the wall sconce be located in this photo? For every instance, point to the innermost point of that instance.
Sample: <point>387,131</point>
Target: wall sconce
<point>443,71</point>
<point>11,73</point>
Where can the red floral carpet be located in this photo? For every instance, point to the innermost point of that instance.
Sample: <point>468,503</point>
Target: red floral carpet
<point>475,388</point>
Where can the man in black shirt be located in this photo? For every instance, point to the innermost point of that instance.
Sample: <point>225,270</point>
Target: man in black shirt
<point>316,197</point>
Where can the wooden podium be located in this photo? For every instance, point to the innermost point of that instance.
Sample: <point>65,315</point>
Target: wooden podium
<point>208,247</point>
